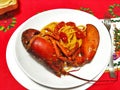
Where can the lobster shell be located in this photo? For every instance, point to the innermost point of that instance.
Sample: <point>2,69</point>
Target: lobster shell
<point>45,50</point>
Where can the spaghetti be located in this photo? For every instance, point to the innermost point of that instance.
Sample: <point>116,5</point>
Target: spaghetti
<point>68,33</point>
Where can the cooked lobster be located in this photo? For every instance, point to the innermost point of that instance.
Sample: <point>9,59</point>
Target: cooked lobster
<point>55,55</point>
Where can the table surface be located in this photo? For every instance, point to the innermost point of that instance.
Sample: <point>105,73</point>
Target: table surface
<point>10,21</point>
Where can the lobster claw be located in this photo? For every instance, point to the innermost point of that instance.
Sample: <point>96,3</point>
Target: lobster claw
<point>90,42</point>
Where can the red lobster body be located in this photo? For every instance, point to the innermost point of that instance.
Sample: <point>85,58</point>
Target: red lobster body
<point>45,51</point>
<point>52,52</point>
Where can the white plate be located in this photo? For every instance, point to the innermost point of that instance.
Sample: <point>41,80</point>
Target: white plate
<point>37,72</point>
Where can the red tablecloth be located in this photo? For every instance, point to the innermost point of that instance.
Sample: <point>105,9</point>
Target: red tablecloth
<point>12,20</point>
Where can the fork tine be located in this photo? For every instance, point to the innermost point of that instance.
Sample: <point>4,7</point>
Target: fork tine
<point>107,23</point>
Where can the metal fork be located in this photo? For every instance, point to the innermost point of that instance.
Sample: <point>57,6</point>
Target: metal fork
<point>107,23</point>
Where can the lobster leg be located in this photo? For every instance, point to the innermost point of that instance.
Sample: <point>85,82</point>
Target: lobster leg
<point>63,49</point>
<point>55,47</point>
<point>71,52</point>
